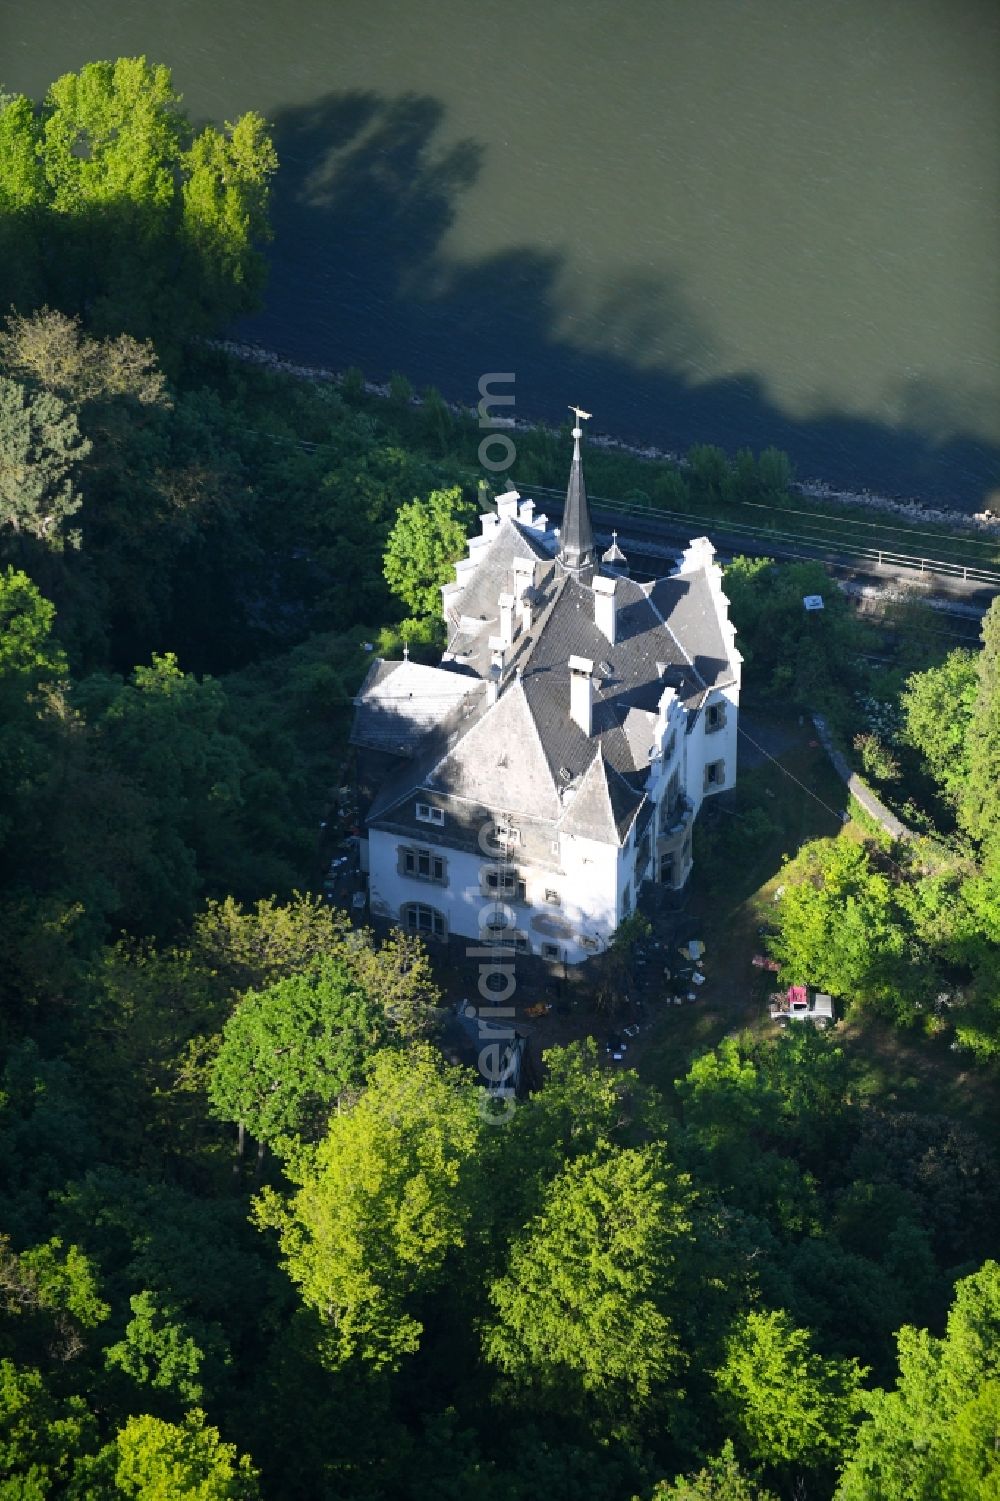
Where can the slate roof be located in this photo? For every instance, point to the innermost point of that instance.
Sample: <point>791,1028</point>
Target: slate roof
<point>685,601</point>
<point>603,806</point>
<point>523,753</point>
<point>499,762</point>
<point>399,702</point>
<point>474,614</point>
<point>576,537</point>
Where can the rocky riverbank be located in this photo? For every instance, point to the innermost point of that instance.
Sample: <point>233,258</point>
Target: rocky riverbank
<point>910,510</point>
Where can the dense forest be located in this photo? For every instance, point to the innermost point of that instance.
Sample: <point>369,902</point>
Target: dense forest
<point>257,1237</point>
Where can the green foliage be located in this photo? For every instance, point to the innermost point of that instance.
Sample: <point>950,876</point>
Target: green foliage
<point>50,1301</point>
<point>934,1435</point>
<point>400,389</point>
<point>44,1442</point>
<point>128,213</point>
<point>581,1320</point>
<point>50,351</point>
<point>40,446</point>
<point>187,1461</point>
<point>223,512</point>
<point>63,1281</point>
<point>722,1479</point>
<point>225,199</point>
<point>428,537</point>
<point>582,1109</point>
<point>979,808</point>
<point>163,1350</point>
<point>937,705</point>
<point>790,1406</point>
<point>877,759</point>
<point>29,655</point>
<point>842,930</point>
<point>290,1052</point>
<point>381,1204</point>
<point>791,651</point>
<point>730,1120</point>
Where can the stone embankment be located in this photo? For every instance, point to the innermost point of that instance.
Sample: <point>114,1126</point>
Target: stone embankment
<point>858,789</point>
<point>911,510</point>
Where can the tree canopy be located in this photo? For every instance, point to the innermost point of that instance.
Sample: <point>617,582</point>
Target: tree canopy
<point>122,210</point>
<point>427,539</point>
<point>290,1052</point>
<point>380,1205</point>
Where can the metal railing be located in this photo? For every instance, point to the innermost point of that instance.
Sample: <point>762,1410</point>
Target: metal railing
<point>834,551</point>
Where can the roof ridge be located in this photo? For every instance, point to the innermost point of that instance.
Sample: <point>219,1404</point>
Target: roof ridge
<point>559,582</point>
<point>666,625</point>
<point>596,772</point>
<point>503,701</point>
<point>518,684</point>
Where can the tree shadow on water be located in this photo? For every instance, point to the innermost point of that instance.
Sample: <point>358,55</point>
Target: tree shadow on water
<point>367,191</point>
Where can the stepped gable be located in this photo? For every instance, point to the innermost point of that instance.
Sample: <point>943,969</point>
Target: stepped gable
<point>515,744</point>
<point>690,609</point>
<point>473,615</point>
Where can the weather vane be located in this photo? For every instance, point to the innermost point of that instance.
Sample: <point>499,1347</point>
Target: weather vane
<point>581,416</point>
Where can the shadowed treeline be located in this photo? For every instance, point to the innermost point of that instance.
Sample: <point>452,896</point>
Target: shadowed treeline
<point>364,198</point>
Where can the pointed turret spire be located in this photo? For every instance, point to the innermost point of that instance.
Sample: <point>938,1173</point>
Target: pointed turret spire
<point>576,540</point>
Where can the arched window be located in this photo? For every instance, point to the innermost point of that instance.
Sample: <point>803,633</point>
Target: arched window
<point>426,921</point>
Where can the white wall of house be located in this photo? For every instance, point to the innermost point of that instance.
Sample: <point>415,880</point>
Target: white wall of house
<point>589,886</point>
<point>592,879</point>
<point>709,747</point>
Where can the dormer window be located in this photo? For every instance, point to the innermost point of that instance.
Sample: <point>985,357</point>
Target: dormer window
<point>506,833</point>
<point>427,813</point>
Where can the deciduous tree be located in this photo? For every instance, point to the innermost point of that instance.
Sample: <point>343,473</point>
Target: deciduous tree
<point>581,1320</point>
<point>792,1407</point>
<point>40,446</point>
<point>290,1052</point>
<point>428,537</point>
<point>381,1204</point>
<point>188,1461</point>
<point>937,706</point>
<point>934,1438</point>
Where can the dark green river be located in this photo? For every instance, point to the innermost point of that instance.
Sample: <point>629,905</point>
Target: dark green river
<point>706,220</point>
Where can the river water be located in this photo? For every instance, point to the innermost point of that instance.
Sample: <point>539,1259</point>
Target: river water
<point>705,220</point>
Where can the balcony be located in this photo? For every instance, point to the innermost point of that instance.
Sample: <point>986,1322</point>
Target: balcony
<point>676,822</point>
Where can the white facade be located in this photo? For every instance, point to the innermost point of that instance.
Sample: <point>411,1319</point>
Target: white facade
<point>583,720</point>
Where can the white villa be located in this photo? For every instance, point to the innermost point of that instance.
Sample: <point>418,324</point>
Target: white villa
<point>556,759</point>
